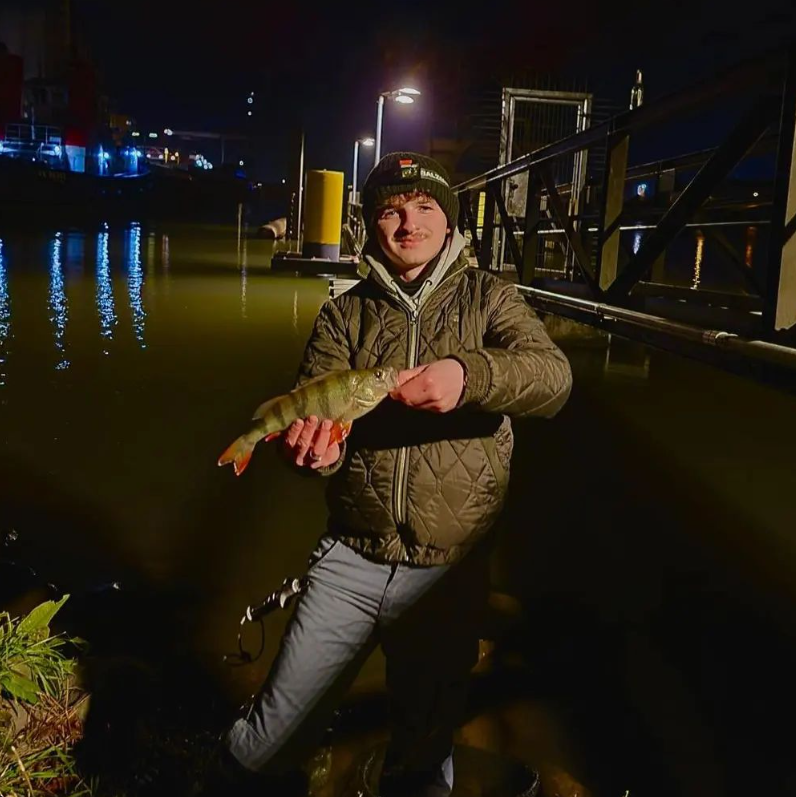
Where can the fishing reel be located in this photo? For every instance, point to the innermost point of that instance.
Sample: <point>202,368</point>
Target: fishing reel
<point>278,599</point>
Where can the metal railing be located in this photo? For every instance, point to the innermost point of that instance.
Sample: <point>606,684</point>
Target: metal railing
<point>608,272</point>
<point>30,134</point>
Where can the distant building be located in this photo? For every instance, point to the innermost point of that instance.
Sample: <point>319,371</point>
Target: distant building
<point>51,105</point>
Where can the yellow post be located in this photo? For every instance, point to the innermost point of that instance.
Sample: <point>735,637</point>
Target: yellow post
<point>323,214</point>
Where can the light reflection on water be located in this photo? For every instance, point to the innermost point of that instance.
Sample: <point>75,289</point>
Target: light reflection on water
<point>131,485</point>
<point>221,337</point>
<point>749,250</point>
<point>150,253</point>
<point>74,252</point>
<point>59,308</point>
<point>243,278</point>
<point>135,281</point>
<point>5,316</point>
<point>698,255</point>
<point>105,303</point>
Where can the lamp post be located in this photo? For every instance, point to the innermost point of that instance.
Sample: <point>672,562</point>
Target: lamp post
<point>365,142</point>
<point>404,96</point>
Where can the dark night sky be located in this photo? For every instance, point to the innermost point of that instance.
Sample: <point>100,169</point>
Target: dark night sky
<point>193,65</point>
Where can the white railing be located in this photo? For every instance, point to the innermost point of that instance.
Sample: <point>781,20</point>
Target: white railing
<point>28,134</point>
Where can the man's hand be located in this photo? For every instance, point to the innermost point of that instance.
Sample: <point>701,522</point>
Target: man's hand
<point>436,386</point>
<point>306,443</point>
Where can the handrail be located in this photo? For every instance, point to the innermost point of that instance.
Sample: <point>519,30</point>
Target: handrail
<point>765,351</point>
<point>589,234</point>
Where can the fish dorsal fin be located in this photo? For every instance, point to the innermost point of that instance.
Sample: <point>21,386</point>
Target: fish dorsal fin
<point>311,381</point>
<point>264,407</point>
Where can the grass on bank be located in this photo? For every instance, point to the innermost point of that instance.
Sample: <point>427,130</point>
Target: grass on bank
<point>41,708</point>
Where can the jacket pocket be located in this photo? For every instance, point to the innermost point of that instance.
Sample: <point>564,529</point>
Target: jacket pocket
<point>325,546</point>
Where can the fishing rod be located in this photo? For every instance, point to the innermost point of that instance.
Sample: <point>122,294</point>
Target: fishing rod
<point>279,599</point>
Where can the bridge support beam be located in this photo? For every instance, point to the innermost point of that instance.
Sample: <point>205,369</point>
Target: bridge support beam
<point>613,201</point>
<point>530,236</point>
<point>746,133</point>
<point>488,231</point>
<point>563,219</point>
<point>779,308</point>
<point>509,229</point>
<point>467,217</point>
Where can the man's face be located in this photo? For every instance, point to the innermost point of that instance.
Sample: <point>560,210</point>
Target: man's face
<point>411,232</point>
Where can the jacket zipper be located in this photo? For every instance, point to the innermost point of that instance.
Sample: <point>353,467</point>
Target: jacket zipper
<point>402,466</point>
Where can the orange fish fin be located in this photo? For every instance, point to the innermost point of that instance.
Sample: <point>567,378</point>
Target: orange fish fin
<point>242,463</point>
<point>345,429</point>
<point>272,436</point>
<point>340,430</point>
<point>239,454</point>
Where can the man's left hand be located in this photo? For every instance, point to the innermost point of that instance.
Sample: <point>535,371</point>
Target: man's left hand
<point>436,386</point>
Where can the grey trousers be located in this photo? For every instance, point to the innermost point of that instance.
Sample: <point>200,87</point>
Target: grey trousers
<point>427,620</point>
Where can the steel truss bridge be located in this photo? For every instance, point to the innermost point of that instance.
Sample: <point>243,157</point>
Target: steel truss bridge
<point>590,247</point>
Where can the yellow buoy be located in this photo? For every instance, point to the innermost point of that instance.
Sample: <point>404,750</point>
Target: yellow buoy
<point>323,214</point>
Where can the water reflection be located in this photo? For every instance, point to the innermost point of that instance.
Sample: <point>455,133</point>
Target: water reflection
<point>637,239</point>
<point>700,246</point>
<point>243,254</point>
<point>59,309</point>
<point>150,253</point>
<point>165,255</point>
<point>105,305</point>
<point>75,252</point>
<point>135,281</point>
<point>751,240</point>
<point>5,316</point>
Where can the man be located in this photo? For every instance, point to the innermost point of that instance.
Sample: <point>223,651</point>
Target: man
<point>413,491</point>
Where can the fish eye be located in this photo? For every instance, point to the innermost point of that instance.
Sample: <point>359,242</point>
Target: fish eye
<point>379,373</point>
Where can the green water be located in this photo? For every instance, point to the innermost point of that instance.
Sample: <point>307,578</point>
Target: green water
<point>649,534</point>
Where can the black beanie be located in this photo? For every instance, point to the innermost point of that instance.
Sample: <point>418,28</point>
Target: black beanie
<point>403,173</point>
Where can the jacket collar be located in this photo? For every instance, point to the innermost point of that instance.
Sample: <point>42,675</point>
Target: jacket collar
<point>372,267</point>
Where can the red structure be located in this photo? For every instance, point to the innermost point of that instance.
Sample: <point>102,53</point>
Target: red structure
<point>82,111</point>
<point>10,88</point>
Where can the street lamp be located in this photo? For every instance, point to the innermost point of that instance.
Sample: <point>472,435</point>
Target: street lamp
<point>404,96</point>
<point>366,142</point>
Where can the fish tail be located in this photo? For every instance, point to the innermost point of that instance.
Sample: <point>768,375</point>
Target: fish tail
<point>239,454</point>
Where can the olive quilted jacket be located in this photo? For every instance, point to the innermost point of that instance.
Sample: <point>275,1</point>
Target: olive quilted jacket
<point>418,487</point>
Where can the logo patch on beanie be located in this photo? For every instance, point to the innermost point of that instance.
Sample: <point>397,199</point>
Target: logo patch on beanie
<point>409,169</point>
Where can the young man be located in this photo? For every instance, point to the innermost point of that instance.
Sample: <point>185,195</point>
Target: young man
<point>415,488</point>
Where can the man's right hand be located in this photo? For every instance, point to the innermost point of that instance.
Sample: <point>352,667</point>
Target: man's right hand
<point>306,443</point>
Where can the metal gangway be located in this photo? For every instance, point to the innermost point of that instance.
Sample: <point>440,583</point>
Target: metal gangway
<point>39,142</point>
<point>592,244</point>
